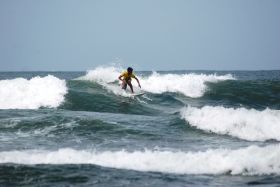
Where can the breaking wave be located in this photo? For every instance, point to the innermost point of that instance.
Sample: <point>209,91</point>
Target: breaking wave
<point>248,124</point>
<point>191,84</point>
<point>37,92</point>
<point>251,160</point>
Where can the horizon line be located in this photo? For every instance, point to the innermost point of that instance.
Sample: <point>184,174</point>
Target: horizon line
<point>6,71</point>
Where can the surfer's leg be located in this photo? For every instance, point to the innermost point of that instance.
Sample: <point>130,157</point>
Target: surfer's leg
<point>124,85</point>
<point>130,85</point>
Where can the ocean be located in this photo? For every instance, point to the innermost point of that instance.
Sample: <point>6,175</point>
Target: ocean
<point>190,128</point>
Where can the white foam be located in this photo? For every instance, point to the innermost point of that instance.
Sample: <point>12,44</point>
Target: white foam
<point>248,124</point>
<point>102,74</point>
<point>37,92</point>
<point>191,85</point>
<point>252,160</point>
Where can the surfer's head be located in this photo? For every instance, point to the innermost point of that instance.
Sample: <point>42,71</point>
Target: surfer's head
<point>129,69</point>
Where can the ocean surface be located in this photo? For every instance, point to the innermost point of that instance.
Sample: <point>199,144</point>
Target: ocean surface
<point>191,128</point>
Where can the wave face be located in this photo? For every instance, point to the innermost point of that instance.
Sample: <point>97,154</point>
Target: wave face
<point>37,92</point>
<point>252,160</point>
<point>248,124</point>
<point>93,96</point>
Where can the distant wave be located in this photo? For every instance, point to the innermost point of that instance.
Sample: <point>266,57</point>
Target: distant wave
<point>251,160</point>
<point>191,85</point>
<point>37,92</point>
<point>248,124</point>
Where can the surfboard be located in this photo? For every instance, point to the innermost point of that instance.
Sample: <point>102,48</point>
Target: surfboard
<point>137,94</point>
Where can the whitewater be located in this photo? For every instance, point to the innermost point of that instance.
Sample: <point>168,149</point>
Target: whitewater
<point>221,161</point>
<point>192,128</point>
<point>20,93</point>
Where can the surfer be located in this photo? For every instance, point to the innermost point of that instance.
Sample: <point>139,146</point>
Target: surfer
<point>126,76</point>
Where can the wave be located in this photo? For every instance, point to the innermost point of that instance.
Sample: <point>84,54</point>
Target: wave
<point>252,160</point>
<point>37,92</point>
<point>191,85</point>
<point>248,124</point>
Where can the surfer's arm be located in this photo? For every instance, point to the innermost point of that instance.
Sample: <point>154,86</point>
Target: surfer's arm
<point>120,77</point>
<point>137,81</point>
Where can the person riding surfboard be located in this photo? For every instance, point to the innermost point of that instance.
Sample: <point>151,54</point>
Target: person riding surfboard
<point>126,77</point>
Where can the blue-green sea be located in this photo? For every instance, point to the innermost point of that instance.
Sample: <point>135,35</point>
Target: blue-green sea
<point>190,128</point>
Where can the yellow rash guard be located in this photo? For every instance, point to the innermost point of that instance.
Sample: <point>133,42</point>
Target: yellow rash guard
<point>126,76</point>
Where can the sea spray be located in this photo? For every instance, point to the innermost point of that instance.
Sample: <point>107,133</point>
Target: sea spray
<point>102,74</point>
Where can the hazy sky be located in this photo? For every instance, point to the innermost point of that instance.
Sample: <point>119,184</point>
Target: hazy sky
<point>146,34</point>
